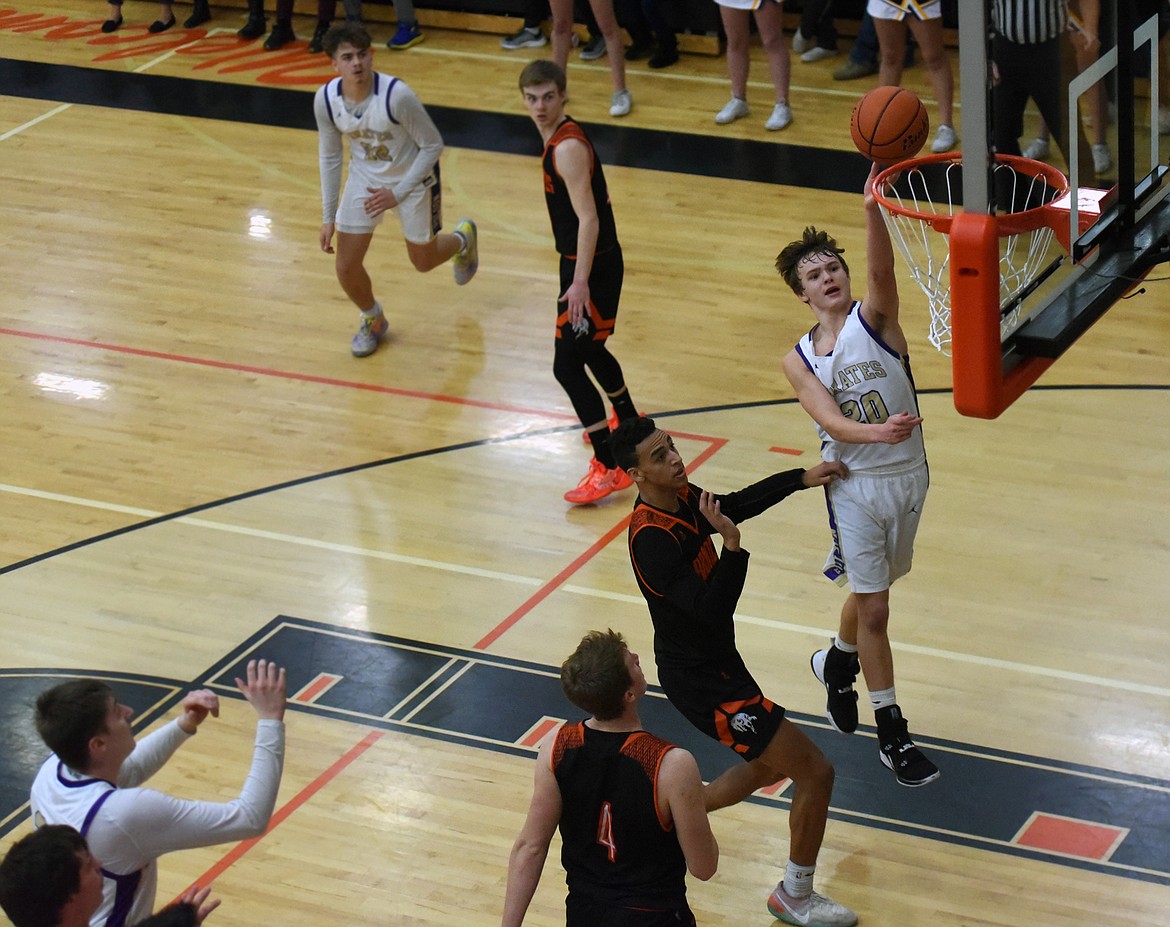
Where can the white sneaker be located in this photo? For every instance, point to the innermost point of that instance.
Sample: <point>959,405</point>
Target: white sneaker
<point>800,43</point>
<point>525,38</point>
<point>734,110</point>
<point>781,117</point>
<point>944,139</point>
<point>621,104</point>
<point>818,54</point>
<point>1102,158</point>
<point>814,910</point>
<point>1037,149</point>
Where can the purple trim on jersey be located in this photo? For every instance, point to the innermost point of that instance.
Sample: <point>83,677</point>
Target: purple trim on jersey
<point>328,104</point>
<point>389,94</point>
<point>94,808</point>
<point>837,568</point>
<point>77,783</point>
<point>803,358</point>
<point>125,888</point>
<point>874,335</point>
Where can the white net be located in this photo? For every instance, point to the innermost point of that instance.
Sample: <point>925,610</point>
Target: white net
<point>918,203</point>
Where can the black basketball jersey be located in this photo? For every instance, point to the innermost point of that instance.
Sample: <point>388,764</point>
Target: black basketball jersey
<point>615,848</point>
<point>556,195</point>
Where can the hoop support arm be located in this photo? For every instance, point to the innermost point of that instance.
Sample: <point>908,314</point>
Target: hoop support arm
<point>982,389</point>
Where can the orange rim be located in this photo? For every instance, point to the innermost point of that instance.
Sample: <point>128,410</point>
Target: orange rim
<point>1011,223</point>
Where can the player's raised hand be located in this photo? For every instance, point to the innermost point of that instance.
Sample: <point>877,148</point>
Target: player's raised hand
<point>265,689</point>
<point>825,472</point>
<point>709,506</point>
<point>197,705</point>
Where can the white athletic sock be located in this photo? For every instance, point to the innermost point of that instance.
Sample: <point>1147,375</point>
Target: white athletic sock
<point>462,238</point>
<point>798,880</point>
<point>373,312</point>
<point>844,647</point>
<point>882,698</point>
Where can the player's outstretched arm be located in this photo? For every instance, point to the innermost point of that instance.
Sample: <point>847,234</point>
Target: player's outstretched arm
<point>824,473</point>
<point>823,409</point>
<point>682,787</point>
<point>531,847</point>
<point>880,305</point>
<point>264,688</point>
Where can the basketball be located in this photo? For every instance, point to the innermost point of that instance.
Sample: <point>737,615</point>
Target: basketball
<point>889,124</point>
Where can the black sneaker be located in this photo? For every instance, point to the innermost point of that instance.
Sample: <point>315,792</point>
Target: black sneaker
<point>281,35</point>
<point>898,753</point>
<point>317,42</point>
<point>837,670</point>
<point>253,28</point>
<point>200,13</point>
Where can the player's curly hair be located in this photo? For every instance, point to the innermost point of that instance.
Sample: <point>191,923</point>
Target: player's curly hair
<point>40,875</point>
<point>595,678</point>
<point>347,32</point>
<point>812,242</point>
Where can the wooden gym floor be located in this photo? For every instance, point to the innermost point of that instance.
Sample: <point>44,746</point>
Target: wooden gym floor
<point>191,452</point>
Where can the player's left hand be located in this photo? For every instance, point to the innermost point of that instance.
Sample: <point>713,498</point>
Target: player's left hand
<point>379,200</point>
<point>196,707</point>
<point>712,511</point>
<point>577,297</point>
<point>200,899</point>
<point>824,473</point>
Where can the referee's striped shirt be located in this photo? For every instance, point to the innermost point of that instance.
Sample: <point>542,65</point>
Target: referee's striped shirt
<point>1028,22</point>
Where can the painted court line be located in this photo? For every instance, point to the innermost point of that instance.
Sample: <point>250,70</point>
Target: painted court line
<point>287,810</point>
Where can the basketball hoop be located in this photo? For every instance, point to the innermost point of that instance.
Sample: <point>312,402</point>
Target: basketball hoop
<point>920,198</point>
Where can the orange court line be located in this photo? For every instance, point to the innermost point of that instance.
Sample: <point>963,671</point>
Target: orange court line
<point>286,375</point>
<point>289,807</point>
<point>595,548</point>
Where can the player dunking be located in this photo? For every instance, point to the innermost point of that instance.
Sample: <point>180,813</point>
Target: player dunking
<point>591,274</point>
<point>394,151</point>
<point>851,373</point>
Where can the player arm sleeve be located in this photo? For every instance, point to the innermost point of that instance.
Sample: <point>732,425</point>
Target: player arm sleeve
<point>658,560</point>
<point>329,155</point>
<point>408,111</point>
<point>759,497</point>
<point>150,753</point>
<point>155,823</point>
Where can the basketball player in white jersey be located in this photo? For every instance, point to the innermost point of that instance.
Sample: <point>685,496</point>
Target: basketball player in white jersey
<point>394,151</point>
<point>92,783</point>
<point>851,373</point>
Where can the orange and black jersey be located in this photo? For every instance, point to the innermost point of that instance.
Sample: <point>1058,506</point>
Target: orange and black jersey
<point>692,592</point>
<point>614,846</point>
<point>556,195</point>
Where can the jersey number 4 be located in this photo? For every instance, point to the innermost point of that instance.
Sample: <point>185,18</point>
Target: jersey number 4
<point>605,830</point>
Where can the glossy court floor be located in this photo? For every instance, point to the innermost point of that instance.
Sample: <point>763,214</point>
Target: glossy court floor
<point>196,470</point>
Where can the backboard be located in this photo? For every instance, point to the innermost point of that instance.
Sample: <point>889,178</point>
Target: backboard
<point>1114,224</point>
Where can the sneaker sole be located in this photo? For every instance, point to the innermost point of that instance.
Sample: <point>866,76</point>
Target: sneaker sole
<point>905,782</point>
<point>405,45</point>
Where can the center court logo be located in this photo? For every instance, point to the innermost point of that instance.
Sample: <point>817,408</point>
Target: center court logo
<point>224,53</point>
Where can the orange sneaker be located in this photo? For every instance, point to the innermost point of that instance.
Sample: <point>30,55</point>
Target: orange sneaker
<point>612,422</point>
<point>598,483</point>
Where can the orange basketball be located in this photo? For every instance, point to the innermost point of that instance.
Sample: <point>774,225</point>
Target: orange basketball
<point>889,124</point>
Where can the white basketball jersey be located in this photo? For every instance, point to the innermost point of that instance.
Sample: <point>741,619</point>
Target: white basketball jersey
<point>61,796</point>
<point>386,131</point>
<point>870,381</point>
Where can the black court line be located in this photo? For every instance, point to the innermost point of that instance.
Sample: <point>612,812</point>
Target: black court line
<point>479,700</point>
<point>624,146</point>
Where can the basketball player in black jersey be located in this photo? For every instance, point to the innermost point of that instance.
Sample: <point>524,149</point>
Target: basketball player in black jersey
<point>692,593</point>
<point>629,805</point>
<point>591,275</point>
